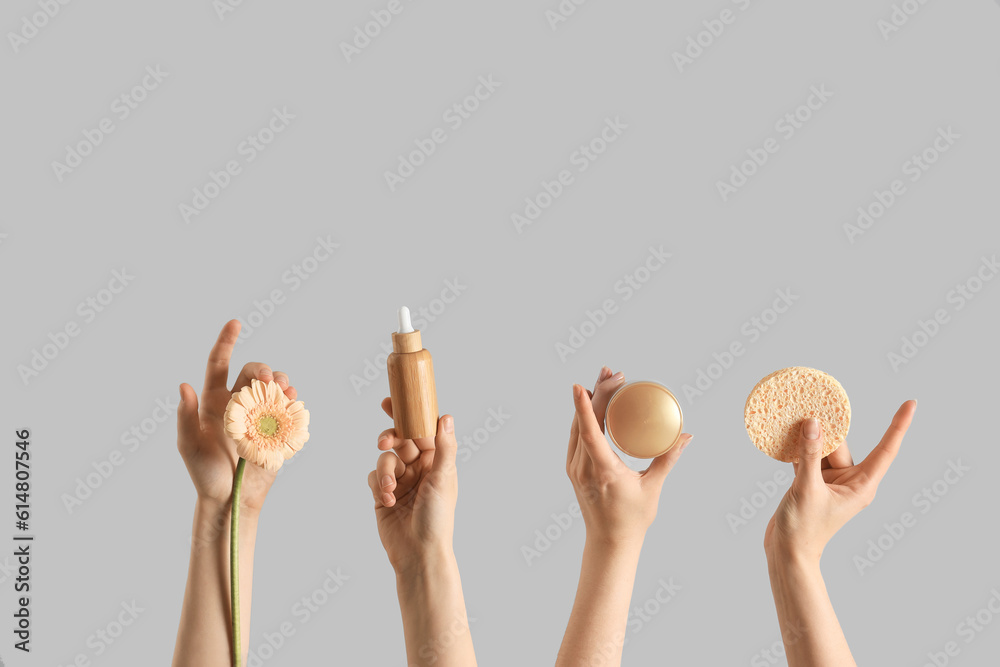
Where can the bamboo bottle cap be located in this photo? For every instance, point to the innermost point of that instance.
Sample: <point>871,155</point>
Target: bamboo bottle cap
<point>644,419</point>
<point>407,339</point>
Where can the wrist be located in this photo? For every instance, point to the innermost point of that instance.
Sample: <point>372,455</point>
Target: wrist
<point>613,549</point>
<point>431,569</point>
<point>617,541</point>
<point>212,505</point>
<point>796,558</point>
<point>212,520</point>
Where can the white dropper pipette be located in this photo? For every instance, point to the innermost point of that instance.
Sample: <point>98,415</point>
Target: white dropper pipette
<point>404,320</point>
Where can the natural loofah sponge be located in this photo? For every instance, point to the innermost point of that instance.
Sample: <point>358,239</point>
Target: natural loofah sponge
<point>780,402</point>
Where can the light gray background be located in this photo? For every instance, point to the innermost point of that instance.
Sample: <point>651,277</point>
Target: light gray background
<point>495,345</point>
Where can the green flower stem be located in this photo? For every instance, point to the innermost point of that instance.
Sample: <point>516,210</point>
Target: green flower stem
<point>234,561</point>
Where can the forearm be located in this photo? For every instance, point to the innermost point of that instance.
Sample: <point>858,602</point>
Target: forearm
<point>204,635</point>
<point>595,634</point>
<point>435,623</point>
<point>809,628</point>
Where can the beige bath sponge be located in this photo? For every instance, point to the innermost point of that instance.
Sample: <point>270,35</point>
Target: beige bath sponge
<point>779,404</point>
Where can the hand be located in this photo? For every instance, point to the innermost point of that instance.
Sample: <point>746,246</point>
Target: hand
<point>827,492</point>
<point>617,503</point>
<point>415,486</point>
<point>208,453</point>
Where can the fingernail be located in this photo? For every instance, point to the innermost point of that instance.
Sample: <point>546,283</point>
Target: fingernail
<point>387,499</point>
<point>386,480</point>
<point>449,424</point>
<point>382,438</point>
<point>576,391</point>
<point>265,374</point>
<point>810,429</point>
<point>618,377</point>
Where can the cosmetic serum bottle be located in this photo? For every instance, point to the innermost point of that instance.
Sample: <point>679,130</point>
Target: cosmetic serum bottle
<point>411,383</point>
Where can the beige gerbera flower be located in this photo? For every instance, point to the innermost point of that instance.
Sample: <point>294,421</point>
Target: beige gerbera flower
<point>268,427</point>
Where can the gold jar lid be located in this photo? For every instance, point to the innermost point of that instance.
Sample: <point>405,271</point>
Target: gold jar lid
<point>644,419</point>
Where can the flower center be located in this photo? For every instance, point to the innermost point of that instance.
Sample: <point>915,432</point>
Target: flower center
<point>267,425</point>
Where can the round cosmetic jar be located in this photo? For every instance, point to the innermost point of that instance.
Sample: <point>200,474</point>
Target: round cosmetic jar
<point>644,419</point>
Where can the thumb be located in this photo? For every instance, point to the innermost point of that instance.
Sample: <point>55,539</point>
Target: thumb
<point>188,424</point>
<point>810,464</point>
<point>662,465</point>
<point>445,446</point>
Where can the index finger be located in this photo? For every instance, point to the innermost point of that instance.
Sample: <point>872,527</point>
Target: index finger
<point>406,450</point>
<point>877,463</point>
<point>217,370</point>
<point>574,441</point>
